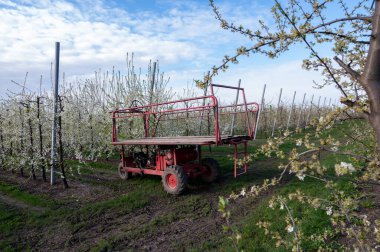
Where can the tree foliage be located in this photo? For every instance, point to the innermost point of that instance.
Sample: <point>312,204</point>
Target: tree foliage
<point>350,29</point>
<point>26,117</point>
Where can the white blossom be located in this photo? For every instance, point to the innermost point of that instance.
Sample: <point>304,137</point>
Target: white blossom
<point>243,192</point>
<point>290,228</point>
<point>299,142</point>
<point>349,166</point>
<point>329,210</point>
<point>334,149</point>
<point>301,176</point>
<point>344,168</point>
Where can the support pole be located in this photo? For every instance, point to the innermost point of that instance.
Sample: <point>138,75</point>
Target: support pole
<point>290,113</point>
<point>261,109</point>
<point>152,83</point>
<point>234,114</point>
<point>299,115</point>
<point>311,108</point>
<point>54,126</point>
<point>319,102</point>
<point>328,106</point>
<point>275,116</point>
<point>203,104</point>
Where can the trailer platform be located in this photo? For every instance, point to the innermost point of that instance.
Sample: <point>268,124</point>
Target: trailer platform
<point>181,140</point>
<point>166,138</point>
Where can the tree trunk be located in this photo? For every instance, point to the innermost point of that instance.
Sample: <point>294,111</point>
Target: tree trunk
<point>61,161</point>
<point>374,103</point>
<point>370,79</point>
<point>2,153</point>
<point>21,141</point>
<point>43,162</point>
<point>31,150</point>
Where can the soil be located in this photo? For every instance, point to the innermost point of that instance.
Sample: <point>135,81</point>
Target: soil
<point>166,224</point>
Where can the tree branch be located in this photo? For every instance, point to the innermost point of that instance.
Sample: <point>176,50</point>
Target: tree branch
<point>303,37</point>
<point>355,75</point>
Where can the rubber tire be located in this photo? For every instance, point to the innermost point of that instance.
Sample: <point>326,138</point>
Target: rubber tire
<point>180,177</point>
<point>122,174</point>
<point>213,166</point>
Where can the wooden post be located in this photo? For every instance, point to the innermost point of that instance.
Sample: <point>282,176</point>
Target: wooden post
<point>203,104</point>
<point>152,83</point>
<point>234,115</point>
<point>318,111</point>
<point>275,117</point>
<point>299,115</point>
<point>311,107</point>
<point>291,110</point>
<point>260,110</point>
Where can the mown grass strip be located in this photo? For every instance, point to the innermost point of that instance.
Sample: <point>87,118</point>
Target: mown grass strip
<point>14,192</point>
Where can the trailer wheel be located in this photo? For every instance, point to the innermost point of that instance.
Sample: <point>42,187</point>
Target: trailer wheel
<point>123,174</point>
<point>174,179</point>
<point>211,170</point>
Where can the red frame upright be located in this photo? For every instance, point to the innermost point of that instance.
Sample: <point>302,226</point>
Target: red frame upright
<point>171,144</point>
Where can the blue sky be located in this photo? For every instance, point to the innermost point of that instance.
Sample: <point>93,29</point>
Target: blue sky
<point>183,35</point>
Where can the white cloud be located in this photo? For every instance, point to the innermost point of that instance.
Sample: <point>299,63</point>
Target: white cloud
<point>186,39</point>
<point>30,33</point>
<point>289,76</point>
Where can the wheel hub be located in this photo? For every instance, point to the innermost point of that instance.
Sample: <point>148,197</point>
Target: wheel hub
<point>171,181</point>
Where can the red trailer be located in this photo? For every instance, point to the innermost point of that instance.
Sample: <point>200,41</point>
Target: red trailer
<point>166,138</point>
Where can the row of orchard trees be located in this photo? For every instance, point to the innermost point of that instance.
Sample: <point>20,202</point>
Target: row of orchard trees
<point>84,124</point>
<point>84,121</point>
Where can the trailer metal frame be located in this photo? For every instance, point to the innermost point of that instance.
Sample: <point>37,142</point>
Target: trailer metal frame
<point>180,152</point>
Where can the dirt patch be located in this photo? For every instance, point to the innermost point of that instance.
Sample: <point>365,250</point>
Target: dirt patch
<point>77,192</point>
<point>166,223</point>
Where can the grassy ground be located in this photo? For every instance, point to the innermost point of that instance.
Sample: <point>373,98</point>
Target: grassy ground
<point>100,212</point>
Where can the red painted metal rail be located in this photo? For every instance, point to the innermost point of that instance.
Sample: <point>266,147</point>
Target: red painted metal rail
<point>201,108</point>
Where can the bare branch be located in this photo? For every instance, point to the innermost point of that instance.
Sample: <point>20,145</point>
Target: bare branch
<point>355,75</point>
<point>303,36</point>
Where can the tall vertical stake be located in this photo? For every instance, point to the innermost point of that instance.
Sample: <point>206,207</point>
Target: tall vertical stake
<point>278,108</point>
<point>299,115</point>
<point>328,106</point>
<point>290,113</point>
<point>319,102</point>
<point>311,108</point>
<point>261,109</point>
<point>234,115</point>
<point>152,83</point>
<point>54,126</point>
<point>204,102</point>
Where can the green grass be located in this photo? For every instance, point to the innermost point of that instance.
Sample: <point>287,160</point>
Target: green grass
<point>139,192</point>
<point>31,199</point>
<point>310,221</point>
<point>121,205</point>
